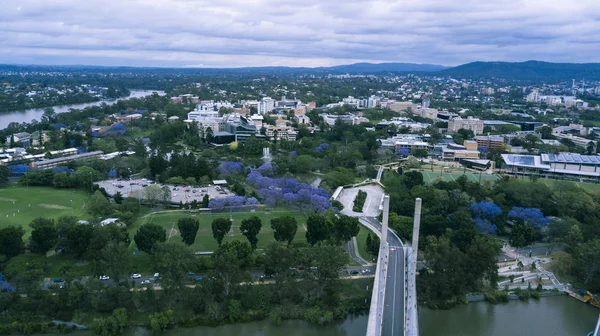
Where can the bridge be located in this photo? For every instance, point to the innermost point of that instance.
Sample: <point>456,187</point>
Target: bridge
<point>393,309</point>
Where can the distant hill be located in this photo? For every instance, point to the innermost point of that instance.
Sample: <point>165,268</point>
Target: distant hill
<point>530,70</point>
<point>357,68</point>
<point>386,67</point>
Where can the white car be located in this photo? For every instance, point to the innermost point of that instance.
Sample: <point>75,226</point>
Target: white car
<point>104,277</point>
<point>136,276</point>
<point>146,282</point>
<point>156,275</point>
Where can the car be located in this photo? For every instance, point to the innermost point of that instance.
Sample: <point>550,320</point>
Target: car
<point>146,282</point>
<point>156,275</point>
<point>366,271</point>
<point>199,279</point>
<point>104,277</point>
<point>353,272</point>
<point>191,273</point>
<point>132,183</point>
<point>136,276</point>
<point>56,280</point>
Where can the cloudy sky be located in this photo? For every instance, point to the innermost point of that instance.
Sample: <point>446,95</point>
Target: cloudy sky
<point>233,33</point>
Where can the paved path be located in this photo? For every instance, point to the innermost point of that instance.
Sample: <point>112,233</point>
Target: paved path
<point>353,248</point>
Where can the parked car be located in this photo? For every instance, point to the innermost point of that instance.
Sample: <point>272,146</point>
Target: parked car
<point>59,280</point>
<point>146,282</point>
<point>199,279</point>
<point>156,275</point>
<point>136,276</point>
<point>104,277</point>
<point>353,272</point>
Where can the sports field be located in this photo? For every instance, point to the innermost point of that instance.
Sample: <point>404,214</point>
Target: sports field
<point>591,187</point>
<point>429,176</point>
<point>204,238</point>
<point>20,205</point>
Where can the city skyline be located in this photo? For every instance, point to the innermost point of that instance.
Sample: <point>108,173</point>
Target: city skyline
<point>235,33</point>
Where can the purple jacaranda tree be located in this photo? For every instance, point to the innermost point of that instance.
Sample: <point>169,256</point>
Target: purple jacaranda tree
<point>529,216</point>
<point>217,203</point>
<point>322,147</point>
<point>485,213</point>
<point>252,202</point>
<point>227,168</point>
<point>266,169</point>
<point>403,152</point>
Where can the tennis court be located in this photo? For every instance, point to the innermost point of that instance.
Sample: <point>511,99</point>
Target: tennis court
<point>448,176</point>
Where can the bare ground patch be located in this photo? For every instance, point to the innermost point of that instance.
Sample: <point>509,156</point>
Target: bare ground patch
<point>54,206</point>
<point>4,199</point>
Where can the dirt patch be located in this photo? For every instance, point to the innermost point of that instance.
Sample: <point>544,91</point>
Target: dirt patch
<point>54,206</point>
<point>4,199</point>
<point>172,233</point>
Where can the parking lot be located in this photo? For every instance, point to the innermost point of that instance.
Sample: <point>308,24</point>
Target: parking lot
<point>183,194</point>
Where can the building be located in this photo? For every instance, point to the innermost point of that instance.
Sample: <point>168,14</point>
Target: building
<point>401,106</point>
<point>206,120</point>
<point>302,119</point>
<point>240,127</point>
<point>18,137</point>
<point>51,163</point>
<point>489,141</point>
<point>456,152</point>
<point>570,166</point>
<point>473,124</point>
<point>266,105</point>
<point>350,119</point>
<point>445,116</point>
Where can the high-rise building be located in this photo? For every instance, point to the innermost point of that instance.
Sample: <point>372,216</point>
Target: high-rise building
<point>473,124</point>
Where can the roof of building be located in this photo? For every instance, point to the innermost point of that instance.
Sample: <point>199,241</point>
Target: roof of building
<point>571,158</point>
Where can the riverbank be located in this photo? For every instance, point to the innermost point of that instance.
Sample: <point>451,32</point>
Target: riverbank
<point>28,115</point>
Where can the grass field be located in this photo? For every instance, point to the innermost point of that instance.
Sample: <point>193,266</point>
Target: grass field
<point>592,187</point>
<point>204,237</point>
<point>20,205</point>
<point>361,240</point>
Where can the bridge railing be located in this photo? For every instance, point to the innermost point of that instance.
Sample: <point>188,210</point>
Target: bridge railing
<point>375,322</point>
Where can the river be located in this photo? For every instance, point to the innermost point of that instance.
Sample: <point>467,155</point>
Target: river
<point>36,113</point>
<point>549,316</point>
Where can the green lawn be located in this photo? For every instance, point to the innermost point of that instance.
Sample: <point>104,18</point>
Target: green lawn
<point>204,237</point>
<point>361,240</point>
<point>27,203</point>
<point>592,187</point>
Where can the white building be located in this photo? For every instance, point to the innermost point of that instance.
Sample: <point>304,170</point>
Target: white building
<point>266,105</point>
<point>473,124</point>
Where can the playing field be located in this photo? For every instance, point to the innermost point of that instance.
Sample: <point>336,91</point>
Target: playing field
<point>204,238</point>
<point>20,205</point>
<point>429,176</point>
<point>592,187</point>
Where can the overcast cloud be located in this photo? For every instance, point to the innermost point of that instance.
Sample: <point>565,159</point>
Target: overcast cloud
<point>233,33</point>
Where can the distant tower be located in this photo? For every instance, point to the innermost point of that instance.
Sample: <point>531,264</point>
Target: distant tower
<point>426,101</point>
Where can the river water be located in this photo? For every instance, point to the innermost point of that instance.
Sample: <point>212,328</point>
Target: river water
<point>36,113</point>
<point>550,316</point>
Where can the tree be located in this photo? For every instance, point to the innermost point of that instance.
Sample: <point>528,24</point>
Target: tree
<point>188,227</point>
<point>587,263</point>
<point>250,228</point>
<point>114,258</point>
<point>521,235</point>
<point>4,174</point>
<point>230,260</point>
<point>79,238</point>
<point>148,236</point>
<point>284,228</point>
<point>118,197</point>
<point>329,261</point>
<point>345,227</point>
<point>156,194</point>
<point>205,201</point>
<point>279,258</point>
<point>112,325</point>
<point>99,206</point>
<point>412,179</point>
<point>318,229</point>
<point>11,241</point>
<point>172,261</point>
<point>373,244</point>
<point>220,227</point>
<point>43,236</point>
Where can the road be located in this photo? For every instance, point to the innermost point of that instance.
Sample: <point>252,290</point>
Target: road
<point>353,249</point>
<point>393,313</point>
